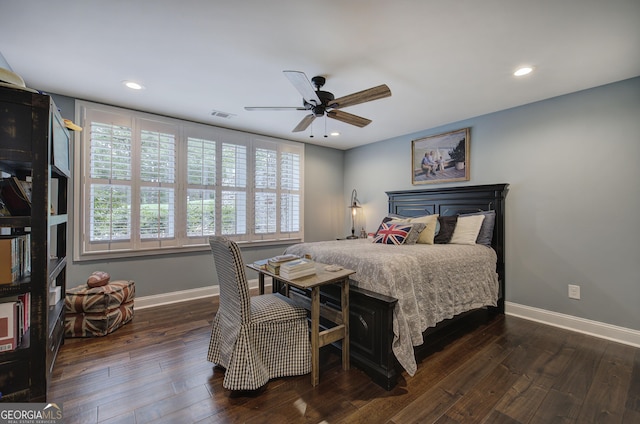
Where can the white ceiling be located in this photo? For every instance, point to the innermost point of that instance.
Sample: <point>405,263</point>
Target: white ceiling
<point>444,61</point>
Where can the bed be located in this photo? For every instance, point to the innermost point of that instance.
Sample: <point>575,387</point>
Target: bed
<point>406,298</point>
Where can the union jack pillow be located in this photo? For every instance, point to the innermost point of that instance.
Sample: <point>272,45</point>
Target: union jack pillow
<point>389,233</point>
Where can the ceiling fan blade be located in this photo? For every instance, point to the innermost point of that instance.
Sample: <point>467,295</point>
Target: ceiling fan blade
<point>349,118</point>
<point>306,121</point>
<point>274,108</point>
<point>303,85</point>
<point>368,95</point>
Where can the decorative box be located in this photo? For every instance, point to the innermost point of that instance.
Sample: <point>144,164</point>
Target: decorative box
<point>98,311</point>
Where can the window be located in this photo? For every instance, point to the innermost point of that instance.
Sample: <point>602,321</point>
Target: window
<point>151,183</point>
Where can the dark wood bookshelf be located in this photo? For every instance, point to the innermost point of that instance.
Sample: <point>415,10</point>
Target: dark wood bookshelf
<point>35,144</point>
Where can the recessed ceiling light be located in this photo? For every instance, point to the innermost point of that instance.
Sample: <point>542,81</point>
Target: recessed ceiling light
<point>335,133</point>
<point>133,85</point>
<point>524,70</point>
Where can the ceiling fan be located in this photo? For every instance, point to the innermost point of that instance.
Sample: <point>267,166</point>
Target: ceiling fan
<point>322,103</point>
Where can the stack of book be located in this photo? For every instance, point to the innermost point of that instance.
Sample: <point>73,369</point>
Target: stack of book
<point>273,264</point>
<point>297,268</point>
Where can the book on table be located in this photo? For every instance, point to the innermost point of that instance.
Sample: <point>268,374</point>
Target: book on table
<point>261,263</point>
<point>273,264</point>
<point>280,259</point>
<point>297,268</point>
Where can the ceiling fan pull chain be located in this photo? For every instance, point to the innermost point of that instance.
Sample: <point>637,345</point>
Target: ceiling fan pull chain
<point>311,135</point>
<point>325,126</point>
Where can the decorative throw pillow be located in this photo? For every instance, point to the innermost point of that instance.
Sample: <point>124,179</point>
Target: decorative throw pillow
<point>98,279</point>
<point>416,232</point>
<point>485,236</point>
<point>393,217</point>
<point>430,222</point>
<point>447,225</point>
<point>389,233</point>
<point>467,229</point>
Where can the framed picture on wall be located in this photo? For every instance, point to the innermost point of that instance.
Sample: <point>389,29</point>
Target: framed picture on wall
<point>441,158</point>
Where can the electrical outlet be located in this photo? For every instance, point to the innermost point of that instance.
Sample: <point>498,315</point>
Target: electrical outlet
<point>574,291</point>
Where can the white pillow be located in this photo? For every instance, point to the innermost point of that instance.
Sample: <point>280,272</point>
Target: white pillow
<point>467,229</point>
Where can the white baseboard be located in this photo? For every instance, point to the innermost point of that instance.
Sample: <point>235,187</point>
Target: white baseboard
<point>593,328</point>
<point>568,322</point>
<point>185,295</point>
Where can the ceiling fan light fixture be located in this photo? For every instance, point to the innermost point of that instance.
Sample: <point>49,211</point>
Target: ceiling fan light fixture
<point>335,134</point>
<point>133,85</point>
<point>522,71</point>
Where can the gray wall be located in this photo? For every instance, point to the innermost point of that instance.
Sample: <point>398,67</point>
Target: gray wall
<point>570,163</point>
<point>573,201</point>
<point>324,206</point>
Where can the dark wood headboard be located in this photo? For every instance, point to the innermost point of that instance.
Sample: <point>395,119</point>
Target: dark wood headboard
<point>456,200</point>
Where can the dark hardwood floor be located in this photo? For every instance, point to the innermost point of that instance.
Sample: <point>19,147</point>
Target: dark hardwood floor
<point>154,370</point>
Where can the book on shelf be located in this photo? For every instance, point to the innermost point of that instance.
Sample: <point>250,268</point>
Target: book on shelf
<point>298,268</point>
<point>16,196</point>
<point>9,327</point>
<point>15,257</point>
<point>26,188</point>
<point>15,320</point>
<point>25,299</point>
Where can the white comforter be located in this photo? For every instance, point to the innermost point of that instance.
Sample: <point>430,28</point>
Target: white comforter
<point>431,282</point>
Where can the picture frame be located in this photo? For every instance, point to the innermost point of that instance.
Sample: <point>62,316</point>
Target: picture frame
<point>446,158</point>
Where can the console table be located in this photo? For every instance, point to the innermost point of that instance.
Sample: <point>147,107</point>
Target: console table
<point>340,318</point>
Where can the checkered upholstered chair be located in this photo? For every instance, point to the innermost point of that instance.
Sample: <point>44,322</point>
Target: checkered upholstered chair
<point>254,338</point>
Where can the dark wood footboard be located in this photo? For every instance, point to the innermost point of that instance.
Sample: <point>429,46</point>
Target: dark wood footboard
<point>371,331</point>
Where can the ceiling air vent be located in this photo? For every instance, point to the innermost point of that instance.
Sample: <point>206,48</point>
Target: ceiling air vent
<point>220,114</point>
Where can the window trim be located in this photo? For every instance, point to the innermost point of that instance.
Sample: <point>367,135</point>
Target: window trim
<point>183,131</point>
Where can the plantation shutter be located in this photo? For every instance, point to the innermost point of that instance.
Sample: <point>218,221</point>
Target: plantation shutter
<point>290,193</point>
<point>277,190</point>
<point>201,189</point>
<point>151,184</point>
<point>157,179</point>
<point>108,188</point>
<point>234,190</point>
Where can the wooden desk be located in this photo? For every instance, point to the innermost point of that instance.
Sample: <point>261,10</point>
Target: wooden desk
<point>341,318</point>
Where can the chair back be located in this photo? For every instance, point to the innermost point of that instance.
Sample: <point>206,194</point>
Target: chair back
<point>235,303</point>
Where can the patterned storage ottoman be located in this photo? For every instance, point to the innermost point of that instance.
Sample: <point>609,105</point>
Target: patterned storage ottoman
<point>98,311</point>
